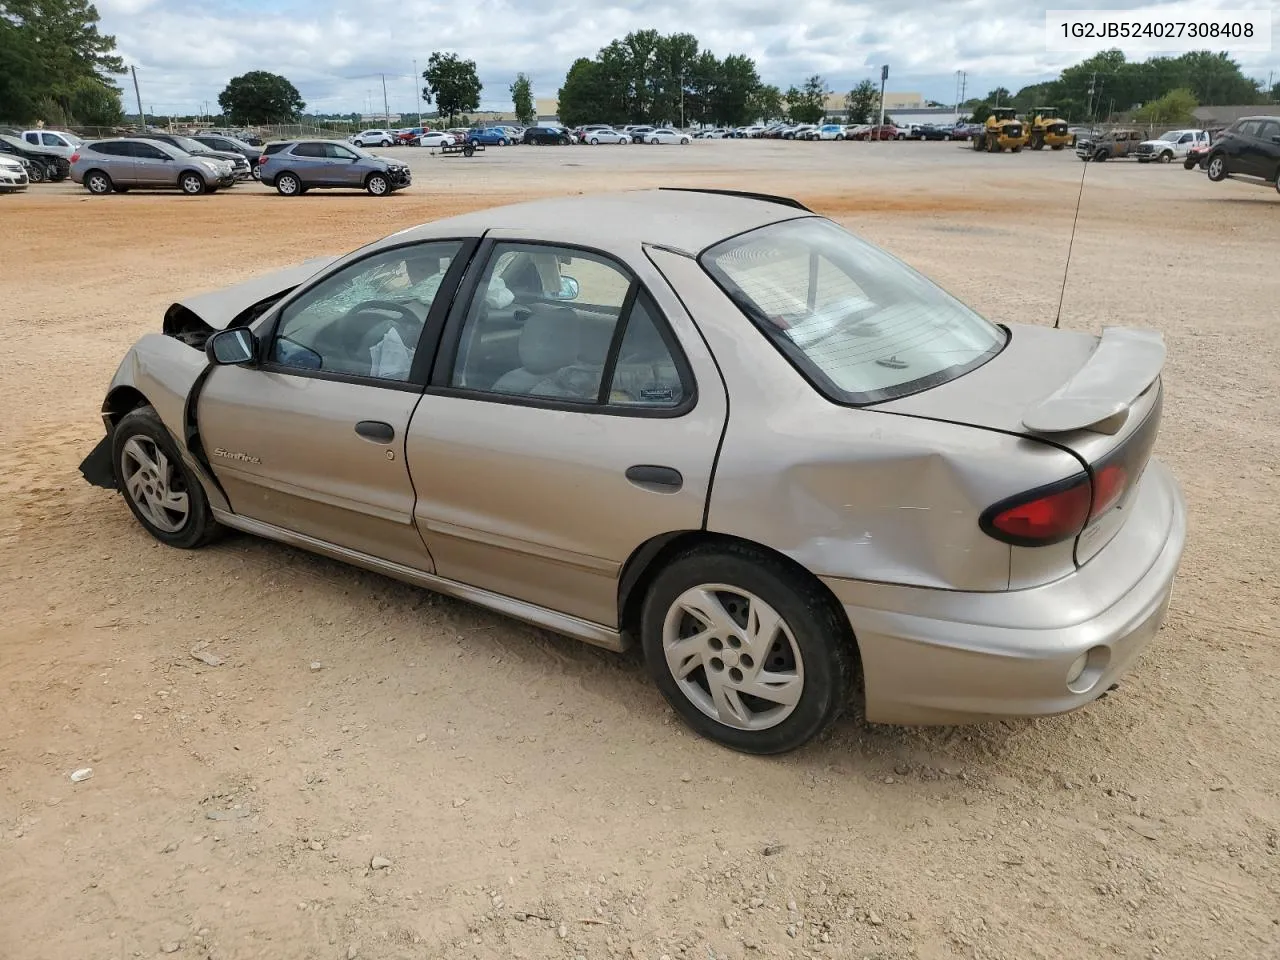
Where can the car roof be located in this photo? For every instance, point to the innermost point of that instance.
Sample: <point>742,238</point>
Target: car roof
<point>690,220</point>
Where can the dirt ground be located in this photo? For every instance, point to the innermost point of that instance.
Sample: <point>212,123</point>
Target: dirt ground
<point>534,797</point>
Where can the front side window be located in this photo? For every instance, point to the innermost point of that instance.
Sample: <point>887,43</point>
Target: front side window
<point>335,151</point>
<point>858,323</point>
<point>563,324</point>
<point>366,319</point>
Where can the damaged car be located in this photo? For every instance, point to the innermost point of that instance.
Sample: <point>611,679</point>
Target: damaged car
<point>786,465</point>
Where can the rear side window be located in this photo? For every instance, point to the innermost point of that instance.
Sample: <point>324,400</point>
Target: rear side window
<point>272,148</point>
<point>860,325</point>
<point>309,150</point>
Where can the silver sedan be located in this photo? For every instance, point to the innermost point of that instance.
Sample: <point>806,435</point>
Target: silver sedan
<point>785,464</point>
<point>604,136</point>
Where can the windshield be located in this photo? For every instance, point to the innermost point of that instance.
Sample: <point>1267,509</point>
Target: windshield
<point>191,146</point>
<point>1171,135</point>
<point>861,325</point>
<point>358,151</point>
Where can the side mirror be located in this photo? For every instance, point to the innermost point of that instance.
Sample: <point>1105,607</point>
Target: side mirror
<point>568,289</point>
<point>230,347</point>
<point>1275,139</point>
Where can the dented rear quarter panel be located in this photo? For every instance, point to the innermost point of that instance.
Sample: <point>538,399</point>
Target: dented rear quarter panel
<point>858,493</point>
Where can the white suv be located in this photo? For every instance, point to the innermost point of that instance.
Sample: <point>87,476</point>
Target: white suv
<point>374,138</point>
<point>1171,145</point>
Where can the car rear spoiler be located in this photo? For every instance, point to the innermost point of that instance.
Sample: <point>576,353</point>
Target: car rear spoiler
<point>1122,366</point>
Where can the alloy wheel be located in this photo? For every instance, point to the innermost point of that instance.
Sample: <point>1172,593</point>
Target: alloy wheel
<point>192,184</point>
<point>98,183</point>
<point>733,656</point>
<point>154,486</point>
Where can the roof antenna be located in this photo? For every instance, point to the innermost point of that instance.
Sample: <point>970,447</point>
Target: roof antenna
<point>1063,293</point>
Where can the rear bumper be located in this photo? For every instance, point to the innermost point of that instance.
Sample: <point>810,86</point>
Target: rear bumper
<point>935,656</point>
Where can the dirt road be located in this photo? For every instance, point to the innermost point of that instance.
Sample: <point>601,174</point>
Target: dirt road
<point>532,797</point>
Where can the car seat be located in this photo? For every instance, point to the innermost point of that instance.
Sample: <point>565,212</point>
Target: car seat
<point>549,348</point>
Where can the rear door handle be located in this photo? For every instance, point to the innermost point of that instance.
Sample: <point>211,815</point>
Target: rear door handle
<point>376,430</point>
<point>656,478</point>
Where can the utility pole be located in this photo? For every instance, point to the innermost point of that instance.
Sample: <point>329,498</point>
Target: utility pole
<point>884,75</point>
<point>417,88</point>
<point>386,110</point>
<point>961,78</point>
<point>142,117</point>
<point>682,99</point>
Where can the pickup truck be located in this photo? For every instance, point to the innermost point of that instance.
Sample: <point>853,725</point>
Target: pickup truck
<point>1171,145</point>
<point>1109,146</point>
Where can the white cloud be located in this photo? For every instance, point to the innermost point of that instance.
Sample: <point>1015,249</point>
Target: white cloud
<point>333,50</point>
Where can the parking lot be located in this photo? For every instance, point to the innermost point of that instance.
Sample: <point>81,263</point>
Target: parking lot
<point>535,797</point>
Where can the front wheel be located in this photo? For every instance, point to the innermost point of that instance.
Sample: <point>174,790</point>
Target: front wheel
<point>748,650</point>
<point>684,140</point>
<point>377,185</point>
<point>192,184</point>
<point>1100,156</point>
<point>839,136</point>
<point>162,493</point>
<point>902,136</point>
<point>1166,157</point>
<point>1217,168</point>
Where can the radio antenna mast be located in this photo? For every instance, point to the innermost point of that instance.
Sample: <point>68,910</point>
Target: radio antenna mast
<point>1071,244</point>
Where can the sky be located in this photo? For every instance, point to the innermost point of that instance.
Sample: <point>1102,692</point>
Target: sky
<point>334,51</point>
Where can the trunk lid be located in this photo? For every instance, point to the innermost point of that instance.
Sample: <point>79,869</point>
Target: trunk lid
<point>1097,397</point>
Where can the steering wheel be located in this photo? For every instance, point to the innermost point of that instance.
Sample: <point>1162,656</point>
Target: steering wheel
<point>407,324</point>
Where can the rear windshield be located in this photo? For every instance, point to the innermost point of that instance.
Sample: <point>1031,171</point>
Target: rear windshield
<point>860,325</point>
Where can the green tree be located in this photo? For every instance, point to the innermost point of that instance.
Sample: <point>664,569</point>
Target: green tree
<point>732,99</point>
<point>579,101</point>
<point>979,111</point>
<point>522,100</point>
<point>861,102</point>
<point>260,97</point>
<point>807,104</point>
<point>1000,97</point>
<point>767,104</point>
<point>48,50</point>
<point>452,83</point>
<point>1174,108</point>
<point>95,103</point>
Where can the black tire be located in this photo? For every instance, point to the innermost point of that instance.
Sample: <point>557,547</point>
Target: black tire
<point>96,182</point>
<point>1037,143</point>
<point>256,172</point>
<point>1217,168</point>
<point>288,185</point>
<point>1166,156</point>
<point>1017,149</point>
<point>839,136</point>
<point>1056,146</point>
<point>378,185</point>
<point>119,189</point>
<point>902,136</point>
<point>191,183</point>
<point>594,141</point>
<point>977,144</point>
<point>1188,163</point>
<point>821,635</point>
<point>198,527</point>
<point>1100,156</point>
<point>38,172</point>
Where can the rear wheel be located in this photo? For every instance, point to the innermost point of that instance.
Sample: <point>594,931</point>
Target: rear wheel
<point>377,185</point>
<point>288,185</point>
<point>95,181</point>
<point>162,493</point>
<point>749,651</point>
<point>192,184</point>
<point>839,136</point>
<point>1217,168</point>
<point>1100,156</point>
<point>594,141</point>
<point>1055,146</point>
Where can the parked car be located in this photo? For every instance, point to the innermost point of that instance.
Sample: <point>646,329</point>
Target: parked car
<point>539,136</point>
<point>886,132</point>
<point>42,164</point>
<point>796,131</point>
<point>489,137</point>
<point>831,131</point>
<point>436,139</point>
<point>55,141</point>
<point>1249,148</point>
<point>125,163</point>
<point>666,135</point>
<point>241,167</point>
<point>13,174</point>
<point>301,165</point>
<point>928,131</point>
<point>1114,145</point>
<point>1170,145</point>
<point>374,138</point>
<point>605,135</point>
<point>752,132</point>
<point>639,133</point>
<point>229,145</point>
<point>410,137</point>
<point>906,494</point>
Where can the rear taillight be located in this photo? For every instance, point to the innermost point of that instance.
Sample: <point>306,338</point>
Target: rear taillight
<point>1039,517</point>
<point>75,157</point>
<point>262,159</point>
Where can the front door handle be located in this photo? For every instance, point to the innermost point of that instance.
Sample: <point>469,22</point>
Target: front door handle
<point>376,430</point>
<point>656,478</point>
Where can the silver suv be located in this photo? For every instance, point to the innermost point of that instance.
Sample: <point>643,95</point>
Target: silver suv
<point>122,163</point>
<point>295,167</point>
